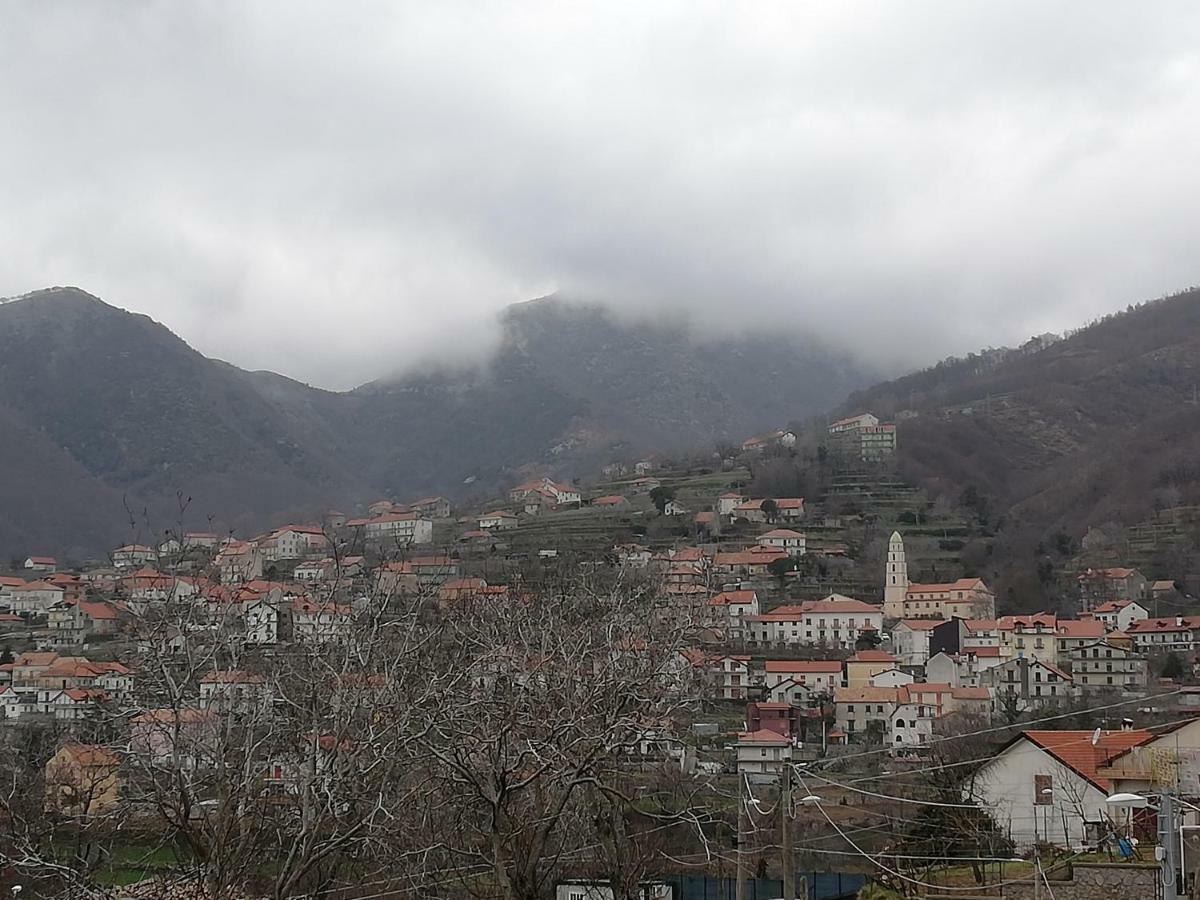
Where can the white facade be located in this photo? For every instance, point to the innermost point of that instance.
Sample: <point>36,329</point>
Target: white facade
<point>763,753</point>
<point>497,521</point>
<point>910,642</point>
<point>793,543</point>
<point>911,725</point>
<point>1118,615</point>
<point>263,622</point>
<point>1010,787</point>
<point>35,598</point>
<point>402,528</point>
<point>892,678</point>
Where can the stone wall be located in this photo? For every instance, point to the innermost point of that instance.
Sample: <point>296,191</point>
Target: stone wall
<point>1095,881</point>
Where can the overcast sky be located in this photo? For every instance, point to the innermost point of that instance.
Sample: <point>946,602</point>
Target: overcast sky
<point>335,190</point>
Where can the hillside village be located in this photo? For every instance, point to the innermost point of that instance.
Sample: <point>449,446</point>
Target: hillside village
<point>798,633</point>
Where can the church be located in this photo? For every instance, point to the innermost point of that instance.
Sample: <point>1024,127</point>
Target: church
<point>966,598</point>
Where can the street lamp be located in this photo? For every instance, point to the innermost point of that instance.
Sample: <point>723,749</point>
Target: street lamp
<point>1128,801</point>
<point>1169,855</point>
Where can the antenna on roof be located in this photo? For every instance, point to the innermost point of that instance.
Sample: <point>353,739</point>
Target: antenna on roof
<point>1095,737</point>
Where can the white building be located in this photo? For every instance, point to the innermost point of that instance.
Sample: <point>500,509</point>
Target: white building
<point>762,752</point>
<point>1118,615</point>
<point>728,502</point>
<point>793,543</point>
<point>795,680</point>
<point>836,621</point>
<point>396,528</point>
<point>133,556</point>
<point>499,520</point>
<point>294,542</point>
<point>35,598</point>
<point>910,640</point>
<point>1047,786</point>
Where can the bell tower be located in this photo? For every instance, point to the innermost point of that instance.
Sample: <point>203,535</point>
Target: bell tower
<point>895,584</point>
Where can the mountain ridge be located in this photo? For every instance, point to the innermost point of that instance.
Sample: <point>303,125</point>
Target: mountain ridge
<point>118,400</point>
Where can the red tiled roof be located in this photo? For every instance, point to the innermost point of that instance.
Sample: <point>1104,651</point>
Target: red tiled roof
<point>1080,628</point>
<point>1074,749</point>
<point>1112,606</point>
<point>920,624</point>
<point>726,598</point>
<point>37,586</point>
<point>1116,572</point>
<point>1156,626</point>
<point>762,736</point>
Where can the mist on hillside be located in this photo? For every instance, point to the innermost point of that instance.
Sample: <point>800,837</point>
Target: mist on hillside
<point>336,197</point>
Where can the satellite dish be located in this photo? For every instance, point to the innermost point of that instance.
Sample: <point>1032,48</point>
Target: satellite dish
<point>1095,737</point>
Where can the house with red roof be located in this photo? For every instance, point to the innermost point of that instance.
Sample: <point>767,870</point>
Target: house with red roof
<point>611,502</point>
<point>133,556</point>
<point>35,597</point>
<point>835,621</point>
<point>782,718</point>
<point>394,528</point>
<point>798,680</point>
<point>1071,634</point>
<point>431,507</point>
<point>793,543</point>
<point>1097,586</point>
<point>728,610</point>
<point>1118,615</point>
<point>1030,635</point>
<point>966,598</point>
<point>1051,786</point>
<point>41,564</point>
<point>754,561</point>
<point>763,752</point>
<point>786,509</point>
<point>866,664</point>
<point>1177,634</point>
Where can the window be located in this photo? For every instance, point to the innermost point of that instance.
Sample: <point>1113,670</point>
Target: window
<point>1043,790</point>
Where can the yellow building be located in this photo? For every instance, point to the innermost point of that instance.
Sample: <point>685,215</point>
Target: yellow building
<point>865,665</point>
<point>83,780</point>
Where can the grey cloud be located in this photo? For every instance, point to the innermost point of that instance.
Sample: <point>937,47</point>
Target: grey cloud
<point>336,190</point>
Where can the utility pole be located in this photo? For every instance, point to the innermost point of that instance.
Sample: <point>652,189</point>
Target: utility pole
<point>785,833</point>
<point>741,837</point>
<point>1168,843</point>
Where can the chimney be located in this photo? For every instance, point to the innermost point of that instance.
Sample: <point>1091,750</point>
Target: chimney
<point>1127,724</point>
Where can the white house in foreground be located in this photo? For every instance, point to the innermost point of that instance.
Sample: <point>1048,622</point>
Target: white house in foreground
<point>1049,786</point>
